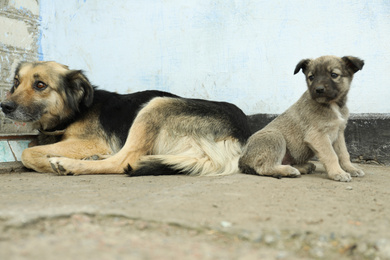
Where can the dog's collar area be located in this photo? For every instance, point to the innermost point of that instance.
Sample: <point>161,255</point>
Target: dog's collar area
<point>55,132</point>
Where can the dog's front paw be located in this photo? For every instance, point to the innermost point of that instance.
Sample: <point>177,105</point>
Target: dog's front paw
<point>340,176</point>
<point>59,166</point>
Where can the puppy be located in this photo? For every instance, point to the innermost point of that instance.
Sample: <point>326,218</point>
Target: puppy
<point>314,125</point>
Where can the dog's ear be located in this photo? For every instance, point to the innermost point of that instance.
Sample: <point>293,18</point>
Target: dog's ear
<point>78,89</point>
<point>302,65</point>
<point>353,64</point>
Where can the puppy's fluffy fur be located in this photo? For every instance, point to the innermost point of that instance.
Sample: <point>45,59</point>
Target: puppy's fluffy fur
<point>314,125</point>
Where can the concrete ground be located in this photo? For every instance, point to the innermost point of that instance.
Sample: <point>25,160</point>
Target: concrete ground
<point>43,216</point>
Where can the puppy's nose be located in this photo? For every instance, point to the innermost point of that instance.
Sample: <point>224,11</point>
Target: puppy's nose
<point>8,106</point>
<point>320,89</point>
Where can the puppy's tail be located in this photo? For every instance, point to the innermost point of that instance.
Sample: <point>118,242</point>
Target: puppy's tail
<point>202,158</point>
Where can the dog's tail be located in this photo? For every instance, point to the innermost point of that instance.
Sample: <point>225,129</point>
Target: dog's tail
<point>200,157</point>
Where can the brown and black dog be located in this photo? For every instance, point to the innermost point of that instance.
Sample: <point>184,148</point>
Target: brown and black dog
<point>144,133</point>
<point>314,125</point>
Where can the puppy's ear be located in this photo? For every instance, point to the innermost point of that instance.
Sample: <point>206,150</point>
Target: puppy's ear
<point>78,89</point>
<point>302,65</point>
<point>353,64</point>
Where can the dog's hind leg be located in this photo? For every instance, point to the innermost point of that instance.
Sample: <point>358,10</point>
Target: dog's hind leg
<point>263,155</point>
<point>139,142</point>
<point>191,155</point>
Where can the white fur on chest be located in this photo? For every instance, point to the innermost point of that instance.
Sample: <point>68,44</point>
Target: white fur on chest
<point>336,110</point>
<point>334,126</point>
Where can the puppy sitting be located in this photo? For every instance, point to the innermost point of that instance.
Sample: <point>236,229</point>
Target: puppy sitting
<point>314,125</point>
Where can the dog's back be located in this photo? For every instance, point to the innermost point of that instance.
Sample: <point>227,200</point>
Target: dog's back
<point>117,112</point>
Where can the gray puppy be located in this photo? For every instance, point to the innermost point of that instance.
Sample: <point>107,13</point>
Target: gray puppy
<point>314,125</point>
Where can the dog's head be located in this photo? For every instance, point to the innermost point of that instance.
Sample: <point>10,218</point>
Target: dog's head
<point>328,77</point>
<point>47,93</point>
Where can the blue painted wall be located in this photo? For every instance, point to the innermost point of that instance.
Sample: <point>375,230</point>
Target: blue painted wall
<point>242,51</point>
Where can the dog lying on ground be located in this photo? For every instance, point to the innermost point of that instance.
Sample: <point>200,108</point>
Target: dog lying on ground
<point>314,125</point>
<point>144,133</point>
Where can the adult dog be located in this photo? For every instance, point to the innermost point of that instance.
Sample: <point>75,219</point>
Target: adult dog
<point>314,125</point>
<point>144,133</point>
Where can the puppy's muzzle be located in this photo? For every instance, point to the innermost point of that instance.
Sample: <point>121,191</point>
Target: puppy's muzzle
<point>8,107</point>
<point>320,89</point>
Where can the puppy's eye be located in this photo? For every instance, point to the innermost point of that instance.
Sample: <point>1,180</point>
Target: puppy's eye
<point>334,75</point>
<point>311,77</point>
<point>16,83</point>
<point>40,85</point>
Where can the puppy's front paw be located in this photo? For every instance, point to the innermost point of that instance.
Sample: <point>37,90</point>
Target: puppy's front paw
<point>340,176</point>
<point>355,172</point>
<point>59,166</point>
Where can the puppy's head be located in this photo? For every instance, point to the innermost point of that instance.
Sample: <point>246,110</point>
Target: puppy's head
<point>328,77</point>
<point>46,93</point>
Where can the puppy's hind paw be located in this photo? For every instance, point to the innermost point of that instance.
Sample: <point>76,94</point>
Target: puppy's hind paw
<point>306,168</point>
<point>279,171</point>
<point>285,171</point>
<point>293,173</point>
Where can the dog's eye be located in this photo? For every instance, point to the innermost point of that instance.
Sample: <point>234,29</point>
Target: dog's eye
<point>311,77</point>
<point>334,75</point>
<point>40,85</point>
<point>16,83</point>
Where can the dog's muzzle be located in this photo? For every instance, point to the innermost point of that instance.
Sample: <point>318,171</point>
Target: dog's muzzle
<point>8,107</point>
<point>14,111</point>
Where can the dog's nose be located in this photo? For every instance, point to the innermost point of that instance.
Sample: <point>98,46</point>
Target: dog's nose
<point>320,89</point>
<point>8,106</point>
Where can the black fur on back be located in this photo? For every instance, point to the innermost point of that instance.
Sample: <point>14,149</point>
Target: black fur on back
<point>117,112</point>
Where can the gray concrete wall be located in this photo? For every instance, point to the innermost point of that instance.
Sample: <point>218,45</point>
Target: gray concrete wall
<point>19,41</point>
<point>367,136</point>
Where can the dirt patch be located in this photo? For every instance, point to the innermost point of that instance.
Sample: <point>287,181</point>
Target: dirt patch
<point>43,216</point>
<point>115,237</point>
